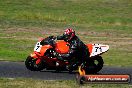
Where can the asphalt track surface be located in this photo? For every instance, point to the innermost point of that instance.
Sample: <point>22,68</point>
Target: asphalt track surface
<point>18,70</point>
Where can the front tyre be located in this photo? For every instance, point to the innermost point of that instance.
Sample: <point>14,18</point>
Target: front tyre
<point>30,64</point>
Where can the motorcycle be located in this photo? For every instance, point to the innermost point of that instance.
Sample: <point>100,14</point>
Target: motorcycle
<point>44,57</point>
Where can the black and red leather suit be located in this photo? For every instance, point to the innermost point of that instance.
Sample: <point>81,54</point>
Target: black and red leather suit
<point>78,50</point>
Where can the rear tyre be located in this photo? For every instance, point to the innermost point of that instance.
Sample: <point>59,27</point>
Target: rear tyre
<point>94,66</point>
<point>30,64</point>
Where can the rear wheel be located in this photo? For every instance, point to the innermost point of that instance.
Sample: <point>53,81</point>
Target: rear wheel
<point>94,66</point>
<point>30,64</point>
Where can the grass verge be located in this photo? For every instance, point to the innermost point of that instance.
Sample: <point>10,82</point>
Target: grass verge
<point>30,83</point>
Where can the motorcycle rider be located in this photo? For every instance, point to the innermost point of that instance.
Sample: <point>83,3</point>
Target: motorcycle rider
<point>78,49</point>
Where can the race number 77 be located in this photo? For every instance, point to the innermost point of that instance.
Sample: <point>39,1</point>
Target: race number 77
<point>98,49</point>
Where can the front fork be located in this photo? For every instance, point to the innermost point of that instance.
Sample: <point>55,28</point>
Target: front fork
<point>38,59</point>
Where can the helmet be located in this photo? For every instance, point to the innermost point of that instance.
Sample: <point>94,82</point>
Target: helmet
<point>69,34</point>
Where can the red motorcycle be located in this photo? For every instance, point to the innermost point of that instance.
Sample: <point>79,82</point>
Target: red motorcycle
<point>44,57</point>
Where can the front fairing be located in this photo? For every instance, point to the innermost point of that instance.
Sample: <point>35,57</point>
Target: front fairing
<point>39,49</point>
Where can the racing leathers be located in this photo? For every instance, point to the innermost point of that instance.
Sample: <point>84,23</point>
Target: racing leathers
<point>78,50</point>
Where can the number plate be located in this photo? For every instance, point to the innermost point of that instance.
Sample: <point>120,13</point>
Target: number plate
<point>37,47</point>
<point>99,49</point>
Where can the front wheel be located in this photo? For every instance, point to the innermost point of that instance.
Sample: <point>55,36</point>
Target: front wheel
<point>30,64</point>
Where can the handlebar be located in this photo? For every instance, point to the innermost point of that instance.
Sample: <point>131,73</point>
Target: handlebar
<point>49,41</point>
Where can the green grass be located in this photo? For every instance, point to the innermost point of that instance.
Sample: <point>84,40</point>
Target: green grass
<point>14,50</point>
<point>95,21</point>
<point>22,22</point>
<point>60,13</point>
<point>30,83</point>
